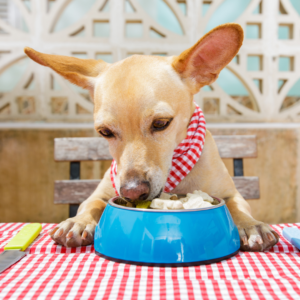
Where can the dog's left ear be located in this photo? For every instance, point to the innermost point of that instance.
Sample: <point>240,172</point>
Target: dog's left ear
<point>82,72</point>
<point>201,64</point>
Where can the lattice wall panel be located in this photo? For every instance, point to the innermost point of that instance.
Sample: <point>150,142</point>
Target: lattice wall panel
<point>260,84</point>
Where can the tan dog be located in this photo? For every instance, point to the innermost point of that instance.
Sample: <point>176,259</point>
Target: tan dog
<point>143,106</point>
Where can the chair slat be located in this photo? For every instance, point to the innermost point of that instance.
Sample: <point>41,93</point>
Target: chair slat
<point>94,148</point>
<point>76,191</point>
<point>248,186</point>
<point>73,191</point>
<point>236,146</point>
<point>78,149</point>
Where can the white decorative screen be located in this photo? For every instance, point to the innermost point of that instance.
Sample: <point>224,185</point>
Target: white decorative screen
<point>262,83</point>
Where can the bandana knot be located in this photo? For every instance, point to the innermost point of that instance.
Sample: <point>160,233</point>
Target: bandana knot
<point>186,154</point>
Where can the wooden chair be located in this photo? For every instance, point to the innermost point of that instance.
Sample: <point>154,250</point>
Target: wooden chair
<point>75,191</point>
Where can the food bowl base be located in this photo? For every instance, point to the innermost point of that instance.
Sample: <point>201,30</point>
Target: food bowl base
<point>186,264</point>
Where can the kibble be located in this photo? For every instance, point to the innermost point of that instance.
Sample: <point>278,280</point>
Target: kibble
<point>197,199</point>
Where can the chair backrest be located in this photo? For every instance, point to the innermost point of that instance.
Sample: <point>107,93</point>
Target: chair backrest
<point>75,191</point>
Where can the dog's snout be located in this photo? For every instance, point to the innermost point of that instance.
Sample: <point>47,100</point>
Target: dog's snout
<point>135,190</point>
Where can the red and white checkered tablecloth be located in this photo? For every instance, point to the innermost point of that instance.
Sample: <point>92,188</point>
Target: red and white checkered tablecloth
<point>54,272</point>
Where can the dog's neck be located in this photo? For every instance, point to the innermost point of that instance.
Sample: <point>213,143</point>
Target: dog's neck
<point>188,152</point>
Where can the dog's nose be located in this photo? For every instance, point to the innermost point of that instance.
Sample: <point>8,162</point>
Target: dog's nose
<point>135,190</point>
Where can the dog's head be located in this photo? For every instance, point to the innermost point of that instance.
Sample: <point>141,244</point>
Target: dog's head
<point>143,104</point>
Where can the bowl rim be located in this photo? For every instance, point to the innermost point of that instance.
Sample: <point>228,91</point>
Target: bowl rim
<point>111,202</point>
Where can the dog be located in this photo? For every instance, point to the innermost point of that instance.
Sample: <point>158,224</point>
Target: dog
<point>143,106</point>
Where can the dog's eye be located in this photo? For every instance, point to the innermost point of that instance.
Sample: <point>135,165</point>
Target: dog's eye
<point>160,124</point>
<point>106,132</point>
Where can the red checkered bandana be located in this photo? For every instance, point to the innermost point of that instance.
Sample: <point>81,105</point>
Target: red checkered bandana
<point>185,155</point>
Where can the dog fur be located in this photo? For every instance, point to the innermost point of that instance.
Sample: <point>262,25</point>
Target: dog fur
<point>129,96</point>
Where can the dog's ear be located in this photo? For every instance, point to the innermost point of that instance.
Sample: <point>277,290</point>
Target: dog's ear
<point>201,64</point>
<point>81,72</point>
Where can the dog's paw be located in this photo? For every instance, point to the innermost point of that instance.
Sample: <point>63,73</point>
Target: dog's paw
<point>74,232</point>
<point>257,236</point>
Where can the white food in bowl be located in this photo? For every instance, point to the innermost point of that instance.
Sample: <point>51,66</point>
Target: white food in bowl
<point>197,199</point>
<point>166,204</point>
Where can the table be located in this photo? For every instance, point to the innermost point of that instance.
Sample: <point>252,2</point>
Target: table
<point>50,271</point>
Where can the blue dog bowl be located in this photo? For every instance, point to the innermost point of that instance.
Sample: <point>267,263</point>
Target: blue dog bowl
<point>166,238</point>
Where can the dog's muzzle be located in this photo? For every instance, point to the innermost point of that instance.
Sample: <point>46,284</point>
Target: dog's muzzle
<point>135,190</point>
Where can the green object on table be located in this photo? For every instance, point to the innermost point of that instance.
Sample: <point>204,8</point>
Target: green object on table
<point>144,205</point>
<point>15,247</point>
<point>24,237</point>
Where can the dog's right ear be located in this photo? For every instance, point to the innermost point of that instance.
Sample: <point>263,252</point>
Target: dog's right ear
<point>81,72</point>
<point>201,64</point>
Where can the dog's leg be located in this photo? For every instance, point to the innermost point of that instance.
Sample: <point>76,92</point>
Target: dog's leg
<point>211,176</point>
<point>254,235</point>
<point>79,230</point>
